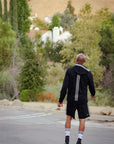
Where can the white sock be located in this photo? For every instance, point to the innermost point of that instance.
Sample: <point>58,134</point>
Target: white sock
<point>80,134</point>
<point>67,131</point>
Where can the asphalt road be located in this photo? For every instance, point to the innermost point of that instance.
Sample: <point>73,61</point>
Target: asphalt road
<point>31,126</point>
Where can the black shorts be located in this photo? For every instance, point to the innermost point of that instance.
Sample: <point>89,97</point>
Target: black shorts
<point>83,111</point>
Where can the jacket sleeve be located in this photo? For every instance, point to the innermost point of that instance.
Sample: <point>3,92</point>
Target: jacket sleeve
<point>64,87</point>
<point>91,84</point>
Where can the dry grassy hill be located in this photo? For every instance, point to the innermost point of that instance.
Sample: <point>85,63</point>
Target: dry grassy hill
<point>49,7</point>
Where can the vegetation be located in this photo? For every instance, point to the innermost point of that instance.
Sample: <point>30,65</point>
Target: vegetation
<point>42,25</point>
<point>5,11</point>
<point>7,39</point>
<point>23,61</point>
<point>55,22</point>
<point>85,39</point>
<point>55,74</point>
<point>32,72</point>
<point>23,13</point>
<point>53,50</point>
<point>0,9</point>
<point>68,17</point>
<point>6,85</point>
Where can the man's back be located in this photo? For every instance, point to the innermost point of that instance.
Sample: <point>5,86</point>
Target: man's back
<point>76,80</point>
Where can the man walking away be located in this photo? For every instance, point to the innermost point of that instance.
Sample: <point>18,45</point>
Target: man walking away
<point>75,84</point>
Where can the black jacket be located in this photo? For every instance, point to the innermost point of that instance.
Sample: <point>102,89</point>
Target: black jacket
<point>76,81</point>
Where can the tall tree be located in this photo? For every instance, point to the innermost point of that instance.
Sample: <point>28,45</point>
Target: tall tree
<point>85,39</point>
<point>23,14</point>
<point>11,12</point>
<point>0,9</point>
<point>13,15</point>
<point>67,19</point>
<point>7,38</point>
<point>5,11</point>
<point>32,74</point>
<point>71,8</point>
<point>107,47</point>
<point>107,41</point>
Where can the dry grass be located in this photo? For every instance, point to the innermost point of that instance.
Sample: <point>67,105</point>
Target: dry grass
<point>49,7</point>
<point>48,96</point>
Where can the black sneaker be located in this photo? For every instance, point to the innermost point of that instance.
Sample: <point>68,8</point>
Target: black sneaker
<point>78,141</point>
<point>67,140</point>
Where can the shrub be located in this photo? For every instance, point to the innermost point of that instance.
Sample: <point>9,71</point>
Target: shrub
<point>55,74</point>
<point>40,23</point>
<point>25,96</point>
<point>47,97</point>
<point>54,89</point>
<point>102,98</point>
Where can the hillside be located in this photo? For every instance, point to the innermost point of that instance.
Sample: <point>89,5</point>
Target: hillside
<point>49,7</point>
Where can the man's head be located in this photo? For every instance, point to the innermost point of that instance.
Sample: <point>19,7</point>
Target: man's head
<point>80,59</point>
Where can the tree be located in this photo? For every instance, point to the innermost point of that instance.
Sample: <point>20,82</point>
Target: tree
<point>71,8</point>
<point>55,22</point>
<point>5,11</point>
<point>42,25</point>
<point>53,50</point>
<point>0,9</point>
<point>13,15</point>
<point>23,14</point>
<point>107,47</point>
<point>85,39</point>
<point>32,75</point>
<point>107,41</point>
<point>7,39</point>
<point>67,19</point>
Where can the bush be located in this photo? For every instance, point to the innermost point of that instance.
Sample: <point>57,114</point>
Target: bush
<point>30,95</point>
<point>25,96</point>
<point>40,23</point>
<point>55,74</point>
<point>53,50</point>
<point>54,89</point>
<point>46,97</point>
<point>102,98</point>
<point>6,85</point>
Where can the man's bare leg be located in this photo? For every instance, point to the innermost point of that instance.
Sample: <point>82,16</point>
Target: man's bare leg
<point>81,130</point>
<point>67,129</point>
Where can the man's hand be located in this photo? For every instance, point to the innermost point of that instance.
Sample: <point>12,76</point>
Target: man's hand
<point>92,97</point>
<point>60,104</point>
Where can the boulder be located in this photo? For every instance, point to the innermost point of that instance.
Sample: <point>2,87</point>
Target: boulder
<point>106,111</point>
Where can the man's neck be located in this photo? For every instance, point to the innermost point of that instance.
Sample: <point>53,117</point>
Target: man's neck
<point>79,63</point>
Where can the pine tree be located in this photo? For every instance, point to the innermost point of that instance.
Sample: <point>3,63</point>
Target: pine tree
<point>15,20</point>
<point>23,14</point>
<point>0,9</point>
<point>5,11</point>
<point>7,39</point>
<point>11,12</point>
<point>13,15</point>
<point>67,19</point>
<point>70,7</point>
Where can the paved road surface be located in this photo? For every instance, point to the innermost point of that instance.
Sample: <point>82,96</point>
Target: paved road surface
<point>31,126</point>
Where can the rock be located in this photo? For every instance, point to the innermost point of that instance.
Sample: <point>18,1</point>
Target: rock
<point>4,102</point>
<point>17,103</point>
<point>106,111</point>
<point>58,108</point>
